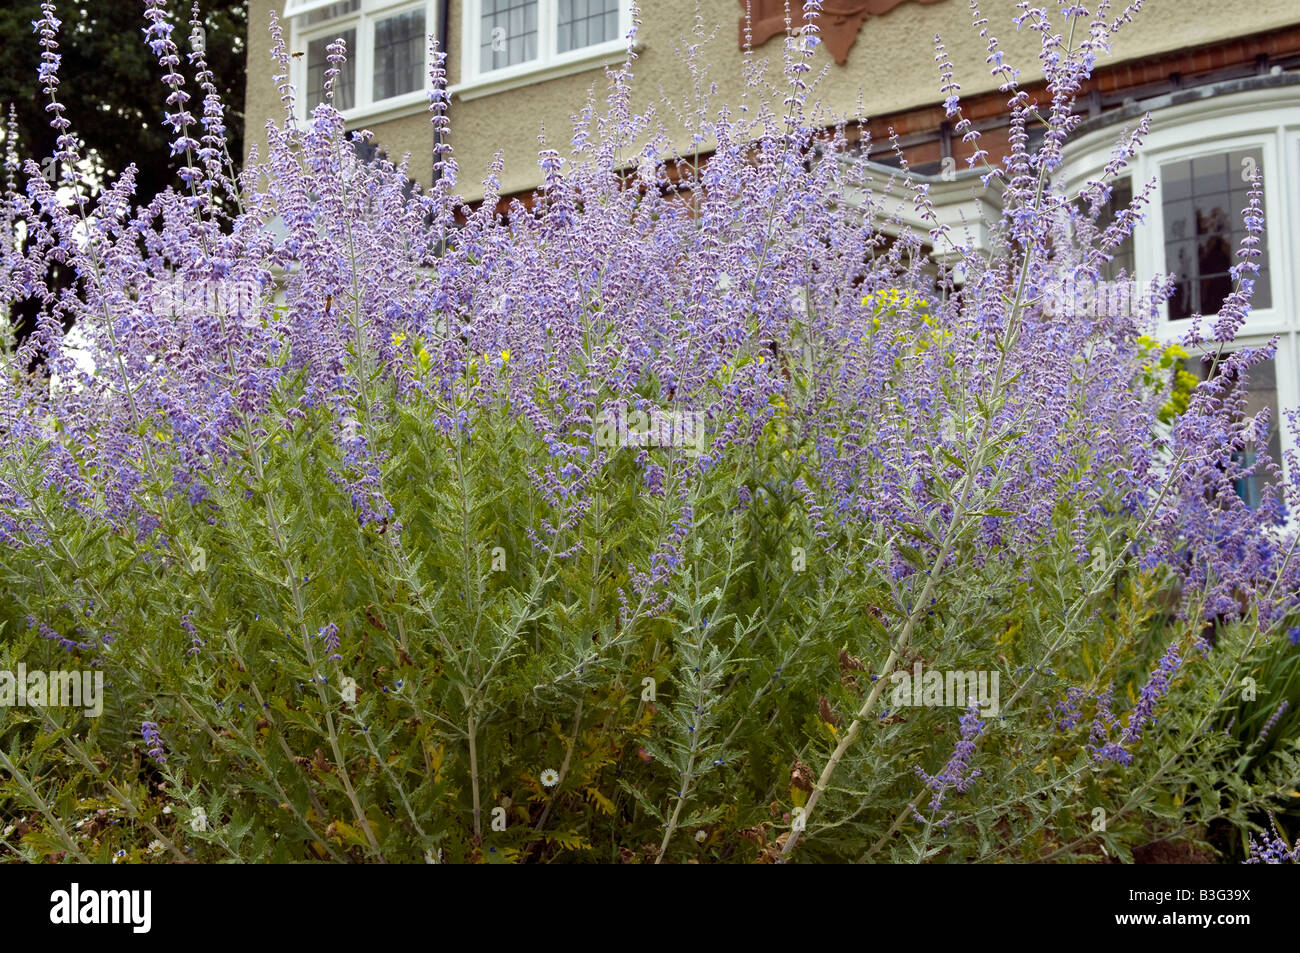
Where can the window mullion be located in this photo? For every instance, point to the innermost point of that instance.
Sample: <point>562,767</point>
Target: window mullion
<point>298,75</point>
<point>471,58</point>
<point>430,29</point>
<point>365,57</point>
<point>296,8</point>
<point>548,24</point>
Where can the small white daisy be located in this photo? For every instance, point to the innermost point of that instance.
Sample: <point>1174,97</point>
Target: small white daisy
<point>550,778</point>
<point>701,836</point>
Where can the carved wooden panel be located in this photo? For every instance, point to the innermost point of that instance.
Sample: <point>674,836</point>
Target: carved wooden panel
<point>839,23</point>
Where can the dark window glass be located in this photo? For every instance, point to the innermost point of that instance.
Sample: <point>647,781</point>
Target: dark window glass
<point>586,23</point>
<point>1202,200</point>
<point>318,63</point>
<point>507,33</point>
<point>399,54</point>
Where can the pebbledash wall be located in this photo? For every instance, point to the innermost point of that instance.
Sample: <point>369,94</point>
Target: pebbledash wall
<point>1220,78</point>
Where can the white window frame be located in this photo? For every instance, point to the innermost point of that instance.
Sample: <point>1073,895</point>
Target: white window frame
<point>362,57</point>
<point>549,64</point>
<point>1267,119</point>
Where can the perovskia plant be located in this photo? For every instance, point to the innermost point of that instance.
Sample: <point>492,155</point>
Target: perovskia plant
<point>365,586</point>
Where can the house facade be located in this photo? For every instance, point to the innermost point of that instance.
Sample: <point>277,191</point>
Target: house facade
<point>1220,79</point>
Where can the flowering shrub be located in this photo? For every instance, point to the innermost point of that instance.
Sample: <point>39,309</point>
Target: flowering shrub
<point>347,489</point>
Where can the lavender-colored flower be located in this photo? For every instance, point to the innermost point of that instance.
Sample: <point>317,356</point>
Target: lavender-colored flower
<point>1100,746</point>
<point>1271,847</point>
<point>153,741</point>
<point>158,36</point>
<point>329,634</point>
<point>957,773</point>
<point>1155,689</point>
<point>1273,719</point>
<point>1068,709</point>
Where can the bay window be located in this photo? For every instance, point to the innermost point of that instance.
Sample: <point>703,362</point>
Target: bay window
<point>1202,154</point>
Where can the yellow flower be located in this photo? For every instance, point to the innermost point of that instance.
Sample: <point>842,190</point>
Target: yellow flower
<point>505,355</point>
<point>892,298</point>
<point>422,361</point>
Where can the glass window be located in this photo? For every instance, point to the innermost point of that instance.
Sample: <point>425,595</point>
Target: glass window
<point>1261,393</point>
<point>399,54</point>
<point>1120,196</point>
<point>1202,200</point>
<point>318,62</point>
<point>507,33</point>
<point>586,23</point>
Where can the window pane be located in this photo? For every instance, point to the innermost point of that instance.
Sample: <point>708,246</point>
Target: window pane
<point>1179,222</point>
<point>1121,194</point>
<point>1261,393</point>
<point>340,9</point>
<point>507,33</point>
<point>399,54</point>
<point>586,23</point>
<point>1202,201</point>
<point>1210,174</point>
<point>1179,261</point>
<point>318,63</point>
<point>1176,181</point>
